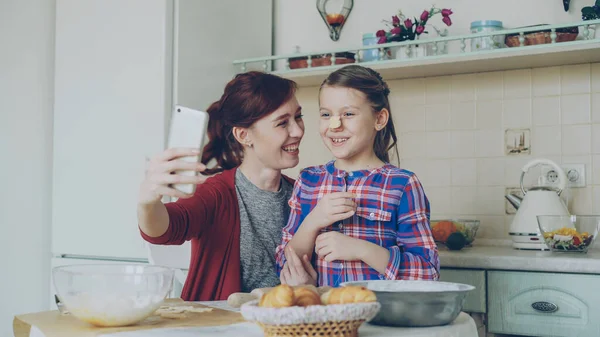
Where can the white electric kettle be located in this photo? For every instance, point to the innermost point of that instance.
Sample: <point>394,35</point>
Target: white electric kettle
<point>539,200</point>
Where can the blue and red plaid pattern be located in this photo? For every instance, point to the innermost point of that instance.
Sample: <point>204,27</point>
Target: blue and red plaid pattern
<point>392,212</point>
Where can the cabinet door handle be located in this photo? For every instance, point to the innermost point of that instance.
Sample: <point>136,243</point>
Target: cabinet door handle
<point>545,307</point>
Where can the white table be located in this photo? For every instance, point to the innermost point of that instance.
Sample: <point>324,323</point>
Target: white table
<point>463,326</point>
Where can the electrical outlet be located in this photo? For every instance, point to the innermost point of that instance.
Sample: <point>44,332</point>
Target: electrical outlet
<point>575,174</point>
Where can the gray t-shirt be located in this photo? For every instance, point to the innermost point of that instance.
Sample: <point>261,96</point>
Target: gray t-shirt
<point>263,214</point>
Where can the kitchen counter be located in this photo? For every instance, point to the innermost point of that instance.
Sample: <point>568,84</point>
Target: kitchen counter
<point>508,258</point>
<point>221,321</point>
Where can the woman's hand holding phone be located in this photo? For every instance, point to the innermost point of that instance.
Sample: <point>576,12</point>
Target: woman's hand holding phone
<point>161,175</point>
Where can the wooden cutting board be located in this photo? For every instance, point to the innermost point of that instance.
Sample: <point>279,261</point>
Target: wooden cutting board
<point>55,324</point>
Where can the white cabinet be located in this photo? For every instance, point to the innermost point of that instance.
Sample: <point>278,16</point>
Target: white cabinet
<point>120,67</point>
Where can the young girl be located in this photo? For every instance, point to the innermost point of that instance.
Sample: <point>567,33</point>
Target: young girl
<point>358,217</point>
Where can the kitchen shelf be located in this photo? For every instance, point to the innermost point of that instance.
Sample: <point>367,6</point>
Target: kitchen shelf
<point>522,57</point>
<point>565,53</point>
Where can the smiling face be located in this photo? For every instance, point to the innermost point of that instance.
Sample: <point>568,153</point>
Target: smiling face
<point>350,141</point>
<point>276,137</point>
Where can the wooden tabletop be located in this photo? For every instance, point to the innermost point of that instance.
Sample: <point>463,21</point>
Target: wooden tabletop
<point>55,324</point>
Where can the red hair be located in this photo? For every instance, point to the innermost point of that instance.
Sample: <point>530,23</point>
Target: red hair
<point>247,98</point>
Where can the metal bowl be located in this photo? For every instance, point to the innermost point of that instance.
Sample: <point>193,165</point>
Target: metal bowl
<point>416,303</point>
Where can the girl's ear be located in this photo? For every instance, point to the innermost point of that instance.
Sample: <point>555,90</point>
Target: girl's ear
<point>381,119</point>
<point>242,136</point>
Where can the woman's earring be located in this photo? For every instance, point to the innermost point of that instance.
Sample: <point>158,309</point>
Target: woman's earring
<point>248,144</point>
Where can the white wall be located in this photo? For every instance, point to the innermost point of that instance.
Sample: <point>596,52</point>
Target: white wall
<point>452,137</point>
<point>26,91</point>
<point>453,134</point>
<point>299,22</point>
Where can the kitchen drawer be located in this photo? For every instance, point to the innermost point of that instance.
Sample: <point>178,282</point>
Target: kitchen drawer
<point>476,299</point>
<point>543,304</point>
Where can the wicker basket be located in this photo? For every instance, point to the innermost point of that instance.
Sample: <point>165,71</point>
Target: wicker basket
<point>337,329</point>
<point>542,37</point>
<point>341,320</point>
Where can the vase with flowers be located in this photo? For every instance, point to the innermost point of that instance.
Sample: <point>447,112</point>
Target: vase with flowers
<point>402,28</point>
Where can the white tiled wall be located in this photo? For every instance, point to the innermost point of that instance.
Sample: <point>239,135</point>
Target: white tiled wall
<point>451,133</point>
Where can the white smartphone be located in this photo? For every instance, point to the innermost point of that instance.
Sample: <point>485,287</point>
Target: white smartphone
<point>188,129</point>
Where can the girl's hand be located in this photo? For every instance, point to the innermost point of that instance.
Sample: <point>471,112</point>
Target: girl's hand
<point>332,246</point>
<point>331,208</point>
<point>297,272</point>
<point>160,174</point>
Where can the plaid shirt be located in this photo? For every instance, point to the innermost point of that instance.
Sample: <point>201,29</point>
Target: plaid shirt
<point>392,212</point>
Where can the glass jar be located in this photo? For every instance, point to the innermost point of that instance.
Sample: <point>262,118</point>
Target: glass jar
<point>368,55</point>
<point>486,42</point>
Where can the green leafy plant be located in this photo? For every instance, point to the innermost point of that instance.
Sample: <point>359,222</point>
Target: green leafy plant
<point>591,12</point>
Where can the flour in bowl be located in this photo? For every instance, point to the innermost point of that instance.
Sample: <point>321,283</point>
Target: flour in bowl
<point>111,309</point>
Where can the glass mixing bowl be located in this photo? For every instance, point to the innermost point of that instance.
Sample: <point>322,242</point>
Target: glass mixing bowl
<point>442,228</point>
<point>569,233</point>
<point>112,294</point>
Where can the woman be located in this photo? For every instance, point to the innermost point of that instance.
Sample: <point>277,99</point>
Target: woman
<point>235,218</point>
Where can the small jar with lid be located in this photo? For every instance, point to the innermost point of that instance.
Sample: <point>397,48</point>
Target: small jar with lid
<point>368,55</point>
<point>486,42</point>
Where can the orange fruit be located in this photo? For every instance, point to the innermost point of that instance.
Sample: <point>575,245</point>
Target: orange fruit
<point>442,230</point>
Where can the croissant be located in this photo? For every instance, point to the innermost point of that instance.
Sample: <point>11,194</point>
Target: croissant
<point>348,294</point>
<point>305,296</point>
<point>279,297</point>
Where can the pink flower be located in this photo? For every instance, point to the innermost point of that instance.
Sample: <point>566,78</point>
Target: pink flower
<point>396,31</point>
<point>380,33</point>
<point>420,29</point>
<point>447,20</point>
<point>408,24</point>
<point>446,12</point>
<point>382,39</point>
<point>424,15</point>
<point>395,20</point>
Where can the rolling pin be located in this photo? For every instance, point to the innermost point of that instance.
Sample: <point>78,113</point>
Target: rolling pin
<point>259,292</point>
<point>237,299</point>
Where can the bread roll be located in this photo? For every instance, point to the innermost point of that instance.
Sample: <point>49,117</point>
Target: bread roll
<point>349,294</point>
<point>279,297</point>
<point>308,286</point>
<point>305,296</point>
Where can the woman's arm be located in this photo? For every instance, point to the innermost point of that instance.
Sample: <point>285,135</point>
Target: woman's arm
<point>297,271</point>
<point>153,219</point>
<point>153,215</point>
<point>190,218</point>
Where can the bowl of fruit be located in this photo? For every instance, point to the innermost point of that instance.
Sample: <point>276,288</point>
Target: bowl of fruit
<point>454,233</point>
<point>569,233</point>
